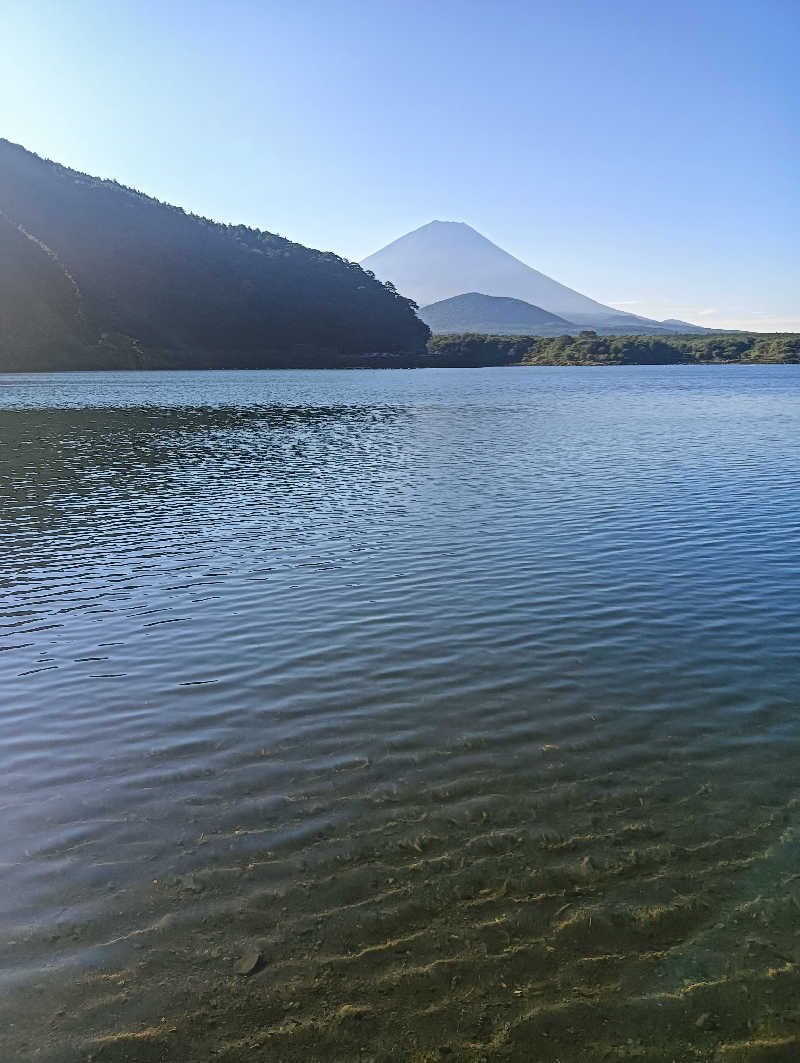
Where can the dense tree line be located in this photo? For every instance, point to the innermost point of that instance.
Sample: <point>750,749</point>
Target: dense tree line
<point>93,274</point>
<point>587,348</point>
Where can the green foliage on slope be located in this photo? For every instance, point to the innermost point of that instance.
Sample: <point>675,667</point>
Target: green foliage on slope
<point>588,348</point>
<point>94,275</point>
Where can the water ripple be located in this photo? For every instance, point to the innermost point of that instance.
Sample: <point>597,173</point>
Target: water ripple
<point>477,689</point>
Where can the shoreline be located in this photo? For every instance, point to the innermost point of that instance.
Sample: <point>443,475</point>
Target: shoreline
<point>462,351</point>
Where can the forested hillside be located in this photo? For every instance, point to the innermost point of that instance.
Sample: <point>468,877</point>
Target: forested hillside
<point>95,275</point>
<point>587,348</point>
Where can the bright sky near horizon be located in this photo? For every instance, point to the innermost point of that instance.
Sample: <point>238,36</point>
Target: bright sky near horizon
<point>647,154</point>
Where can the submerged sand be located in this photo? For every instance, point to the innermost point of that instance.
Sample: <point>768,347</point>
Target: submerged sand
<point>648,912</point>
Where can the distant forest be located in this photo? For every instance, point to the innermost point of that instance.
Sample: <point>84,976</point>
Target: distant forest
<point>94,275</point>
<point>587,348</point>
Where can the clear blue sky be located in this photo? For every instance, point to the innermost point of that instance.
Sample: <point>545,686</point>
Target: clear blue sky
<point>645,153</point>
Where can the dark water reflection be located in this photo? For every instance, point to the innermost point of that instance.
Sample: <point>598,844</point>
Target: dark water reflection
<point>477,688</point>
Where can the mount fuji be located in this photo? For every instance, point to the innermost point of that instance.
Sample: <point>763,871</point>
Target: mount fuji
<point>444,259</point>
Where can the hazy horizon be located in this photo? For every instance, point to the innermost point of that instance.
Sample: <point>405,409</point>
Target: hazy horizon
<point>653,176</point>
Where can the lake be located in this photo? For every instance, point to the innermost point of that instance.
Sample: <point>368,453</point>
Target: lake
<point>457,709</point>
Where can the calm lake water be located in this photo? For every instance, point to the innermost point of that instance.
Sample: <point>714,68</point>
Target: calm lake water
<point>467,699</point>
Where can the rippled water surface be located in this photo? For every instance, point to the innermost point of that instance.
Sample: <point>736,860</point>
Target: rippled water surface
<point>468,700</point>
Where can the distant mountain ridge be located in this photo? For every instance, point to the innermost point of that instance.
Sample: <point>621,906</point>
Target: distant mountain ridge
<point>445,259</point>
<point>492,314</point>
<point>686,326</point>
<point>96,275</point>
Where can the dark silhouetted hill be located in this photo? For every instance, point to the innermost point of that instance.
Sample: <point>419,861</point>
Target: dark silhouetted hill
<point>96,275</point>
<point>491,314</point>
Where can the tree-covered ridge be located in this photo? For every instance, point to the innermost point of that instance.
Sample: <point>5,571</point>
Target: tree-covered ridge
<point>587,348</point>
<point>146,283</point>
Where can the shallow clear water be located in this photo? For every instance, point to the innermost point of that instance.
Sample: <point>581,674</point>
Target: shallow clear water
<point>500,665</point>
